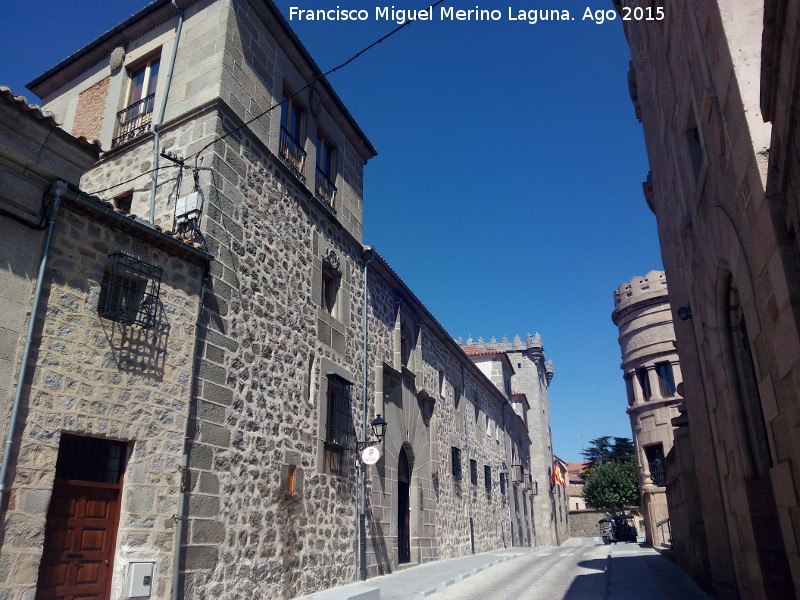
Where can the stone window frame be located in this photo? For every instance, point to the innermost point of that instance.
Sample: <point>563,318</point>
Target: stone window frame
<point>330,460</point>
<point>455,463</point>
<point>666,379</point>
<point>131,124</point>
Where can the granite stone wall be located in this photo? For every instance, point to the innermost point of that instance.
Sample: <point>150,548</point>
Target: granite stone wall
<point>93,377</point>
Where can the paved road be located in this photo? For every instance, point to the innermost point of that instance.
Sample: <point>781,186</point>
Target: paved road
<point>574,570</point>
<point>582,569</point>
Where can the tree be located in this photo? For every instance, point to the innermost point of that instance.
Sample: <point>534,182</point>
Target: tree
<point>612,487</point>
<point>602,451</point>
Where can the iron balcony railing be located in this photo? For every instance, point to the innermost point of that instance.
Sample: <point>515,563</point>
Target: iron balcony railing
<point>326,191</point>
<point>134,120</point>
<point>292,153</point>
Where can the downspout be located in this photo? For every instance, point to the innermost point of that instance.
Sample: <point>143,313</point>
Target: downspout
<point>368,255</point>
<point>180,518</point>
<point>508,481</point>
<point>57,189</point>
<point>162,109</point>
<point>466,438</point>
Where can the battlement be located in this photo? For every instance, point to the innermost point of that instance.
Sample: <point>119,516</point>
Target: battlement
<point>531,342</point>
<point>651,286</point>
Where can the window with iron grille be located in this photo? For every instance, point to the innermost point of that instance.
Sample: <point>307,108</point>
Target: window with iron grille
<point>339,428</point>
<point>325,173</point>
<point>135,119</point>
<point>130,291</point>
<point>292,136</point>
<point>90,459</point>
<point>455,454</point>
<point>487,477</point>
<point>655,461</point>
<point>473,472</point>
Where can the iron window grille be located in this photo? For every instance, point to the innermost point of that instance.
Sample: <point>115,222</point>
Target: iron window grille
<point>90,459</point>
<point>339,427</point>
<point>456,462</point>
<point>130,291</point>
<point>135,120</point>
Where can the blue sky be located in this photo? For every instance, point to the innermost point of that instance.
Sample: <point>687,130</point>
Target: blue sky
<point>507,189</point>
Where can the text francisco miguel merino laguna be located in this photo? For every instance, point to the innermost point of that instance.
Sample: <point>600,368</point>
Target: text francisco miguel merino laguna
<point>445,13</point>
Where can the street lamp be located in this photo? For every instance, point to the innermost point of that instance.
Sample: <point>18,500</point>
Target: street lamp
<point>379,431</point>
<point>378,425</point>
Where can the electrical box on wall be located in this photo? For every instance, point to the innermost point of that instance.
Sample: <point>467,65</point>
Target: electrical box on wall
<point>140,579</point>
<point>188,207</point>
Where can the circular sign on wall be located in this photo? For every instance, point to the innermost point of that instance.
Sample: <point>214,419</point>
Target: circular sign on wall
<point>370,455</point>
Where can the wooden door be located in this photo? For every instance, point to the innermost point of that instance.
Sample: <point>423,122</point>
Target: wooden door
<point>79,542</point>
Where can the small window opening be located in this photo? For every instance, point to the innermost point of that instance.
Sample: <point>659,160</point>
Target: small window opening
<point>290,479</point>
<point>455,454</point>
<point>130,291</point>
<point>90,459</point>
<point>330,290</point>
<point>473,472</point>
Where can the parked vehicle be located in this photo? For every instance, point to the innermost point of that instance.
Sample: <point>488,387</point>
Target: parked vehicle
<point>619,528</point>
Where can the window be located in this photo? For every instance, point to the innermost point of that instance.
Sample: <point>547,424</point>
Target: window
<point>330,290</point>
<point>130,291</point>
<point>90,459</point>
<point>487,477</point>
<point>695,149</point>
<point>135,119</point>
<point>325,173</point>
<point>473,472</point>
<point>339,429</point>
<point>655,462</point>
<point>455,455</point>
<point>644,382</point>
<point>666,380</point>
<point>124,202</point>
<point>503,478</point>
<point>291,140</point>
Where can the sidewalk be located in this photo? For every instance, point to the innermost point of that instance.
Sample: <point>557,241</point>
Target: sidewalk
<point>419,582</point>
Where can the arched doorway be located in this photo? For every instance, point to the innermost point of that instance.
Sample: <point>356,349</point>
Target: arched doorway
<point>403,512</point>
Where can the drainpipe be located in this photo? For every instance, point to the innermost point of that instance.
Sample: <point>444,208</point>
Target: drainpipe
<point>466,438</point>
<point>368,256</point>
<point>180,518</point>
<point>161,111</point>
<point>508,481</point>
<point>57,190</point>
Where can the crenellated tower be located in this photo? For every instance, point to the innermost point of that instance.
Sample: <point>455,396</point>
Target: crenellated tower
<point>652,373</point>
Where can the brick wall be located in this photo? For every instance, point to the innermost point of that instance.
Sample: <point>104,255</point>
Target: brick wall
<point>89,111</point>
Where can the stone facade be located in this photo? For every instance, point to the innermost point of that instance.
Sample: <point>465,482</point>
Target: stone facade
<point>652,375</point>
<point>88,377</point>
<point>294,353</point>
<point>532,375</point>
<point>718,186</point>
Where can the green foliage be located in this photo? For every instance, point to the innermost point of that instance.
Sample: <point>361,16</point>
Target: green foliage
<point>612,487</point>
<point>602,451</point>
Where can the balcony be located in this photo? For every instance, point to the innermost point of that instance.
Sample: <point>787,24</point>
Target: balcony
<point>134,120</point>
<point>292,153</point>
<point>325,189</point>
